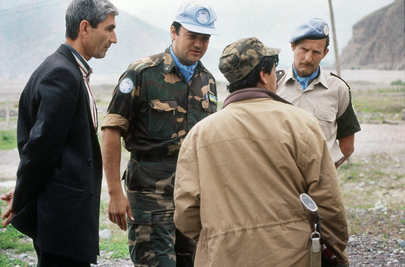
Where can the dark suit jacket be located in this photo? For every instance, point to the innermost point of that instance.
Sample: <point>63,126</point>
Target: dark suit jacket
<point>57,194</point>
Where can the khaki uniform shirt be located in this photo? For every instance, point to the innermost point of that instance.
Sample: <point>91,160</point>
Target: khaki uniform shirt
<point>328,98</point>
<point>239,176</point>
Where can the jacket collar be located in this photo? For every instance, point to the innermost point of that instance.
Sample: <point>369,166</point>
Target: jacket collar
<point>248,93</point>
<point>80,60</point>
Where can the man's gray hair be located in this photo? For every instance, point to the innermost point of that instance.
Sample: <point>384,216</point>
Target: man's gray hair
<point>94,11</point>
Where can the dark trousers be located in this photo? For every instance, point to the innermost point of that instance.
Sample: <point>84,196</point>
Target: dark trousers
<point>50,260</point>
<point>185,249</point>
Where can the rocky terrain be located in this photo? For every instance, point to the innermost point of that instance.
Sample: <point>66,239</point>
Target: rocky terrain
<point>378,41</point>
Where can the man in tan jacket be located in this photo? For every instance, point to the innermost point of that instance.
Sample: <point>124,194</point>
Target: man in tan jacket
<point>241,171</point>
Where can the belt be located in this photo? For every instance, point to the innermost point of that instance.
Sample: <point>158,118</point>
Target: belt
<point>154,158</point>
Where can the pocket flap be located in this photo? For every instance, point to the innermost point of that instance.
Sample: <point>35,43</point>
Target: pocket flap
<point>141,217</point>
<point>325,115</point>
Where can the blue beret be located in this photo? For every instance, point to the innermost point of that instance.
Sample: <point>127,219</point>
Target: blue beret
<point>315,28</point>
<point>197,18</point>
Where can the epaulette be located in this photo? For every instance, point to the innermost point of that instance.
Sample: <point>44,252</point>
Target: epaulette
<point>280,74</point>
<point>334,75</point>
<point>146,62</point>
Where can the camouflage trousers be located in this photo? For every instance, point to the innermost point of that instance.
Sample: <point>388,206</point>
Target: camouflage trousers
<point>152,237</point>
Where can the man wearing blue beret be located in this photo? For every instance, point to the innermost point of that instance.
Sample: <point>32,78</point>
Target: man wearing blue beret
<point>323,94</point>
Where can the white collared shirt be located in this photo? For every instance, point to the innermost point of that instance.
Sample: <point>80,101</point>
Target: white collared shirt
<point>86,77</point>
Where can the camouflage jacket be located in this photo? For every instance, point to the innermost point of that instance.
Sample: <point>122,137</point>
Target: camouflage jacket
<point>155,107</point>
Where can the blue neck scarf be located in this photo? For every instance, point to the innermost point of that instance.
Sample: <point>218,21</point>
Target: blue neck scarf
<point>186,71</point>
<point>305,80</point>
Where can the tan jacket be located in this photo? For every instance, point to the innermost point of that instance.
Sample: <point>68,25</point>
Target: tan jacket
<point>239,176</point>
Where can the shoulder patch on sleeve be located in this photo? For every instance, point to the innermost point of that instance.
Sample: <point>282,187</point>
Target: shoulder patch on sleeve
<point>126,85</point>
<point>340,78</point>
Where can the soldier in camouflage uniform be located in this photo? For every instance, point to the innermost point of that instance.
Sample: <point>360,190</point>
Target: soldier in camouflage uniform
<point>156,102</point>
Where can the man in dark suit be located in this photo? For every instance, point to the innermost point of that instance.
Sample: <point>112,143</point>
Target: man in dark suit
<point>56,200</point>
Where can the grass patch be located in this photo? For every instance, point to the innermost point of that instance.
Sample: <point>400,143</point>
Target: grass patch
<point>8,139</point>
<point>379,104</point>
<point>117,247</point>
<point>10,238</point>
<point>397,82</point>
<point>377,222</point>
<point>364,182</point>
<point>8,262</point>
<point>377,167</point>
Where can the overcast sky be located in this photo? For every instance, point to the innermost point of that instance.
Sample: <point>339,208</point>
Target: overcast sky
<point>272,21</point>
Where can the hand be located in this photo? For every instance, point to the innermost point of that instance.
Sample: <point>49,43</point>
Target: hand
<point>9,213</point>
<point>118,208</point>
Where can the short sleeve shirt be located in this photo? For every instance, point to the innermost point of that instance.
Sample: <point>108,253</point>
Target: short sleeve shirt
<point>155,107</point>
<point>328,98</point>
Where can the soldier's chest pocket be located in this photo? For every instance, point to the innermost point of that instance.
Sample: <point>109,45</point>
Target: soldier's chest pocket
<point>209,105</point>
<point>162,119</point>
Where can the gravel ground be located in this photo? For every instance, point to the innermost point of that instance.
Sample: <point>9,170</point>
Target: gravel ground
<point>373,248</point>
<point>365,250</point>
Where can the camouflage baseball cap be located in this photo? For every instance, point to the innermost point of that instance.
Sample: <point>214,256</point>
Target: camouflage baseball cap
<point>241,57</point>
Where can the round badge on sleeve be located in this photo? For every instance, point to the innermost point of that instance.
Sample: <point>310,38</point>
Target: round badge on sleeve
<point>203,16</point>
<point>126,85</point>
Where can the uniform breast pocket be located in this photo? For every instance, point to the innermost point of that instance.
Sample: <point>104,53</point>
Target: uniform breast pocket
<point>162,119</point>
<point>209,104</point>
<point>327,120</point>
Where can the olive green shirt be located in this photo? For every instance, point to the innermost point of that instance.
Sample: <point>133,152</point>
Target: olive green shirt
<point>155,107</point>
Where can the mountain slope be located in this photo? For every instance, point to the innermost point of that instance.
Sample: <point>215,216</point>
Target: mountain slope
<point>32,30</point>
<point>378,41</point>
